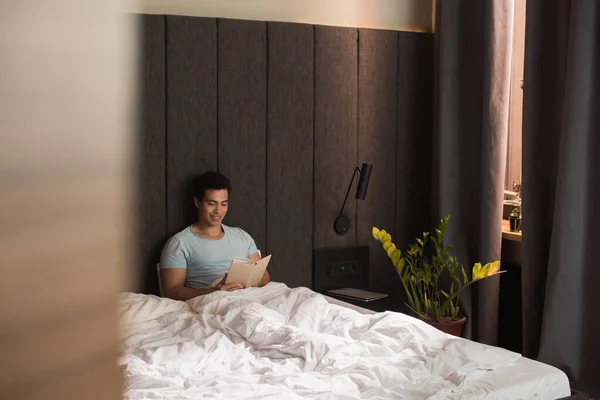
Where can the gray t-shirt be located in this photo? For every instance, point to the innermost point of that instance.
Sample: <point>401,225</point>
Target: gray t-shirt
<point>206,260</point>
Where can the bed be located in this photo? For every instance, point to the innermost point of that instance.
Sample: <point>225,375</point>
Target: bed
<point>278,342</point>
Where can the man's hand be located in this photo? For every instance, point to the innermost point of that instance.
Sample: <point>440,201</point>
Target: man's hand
<point>173,282</point>
<point>266,278</point>
<point>228,287</point>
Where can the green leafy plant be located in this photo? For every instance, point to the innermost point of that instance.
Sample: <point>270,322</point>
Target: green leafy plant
<point>421,267</point>
<point>516,212</point>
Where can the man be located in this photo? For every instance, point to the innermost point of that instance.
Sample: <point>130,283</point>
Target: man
<point>195,260</point>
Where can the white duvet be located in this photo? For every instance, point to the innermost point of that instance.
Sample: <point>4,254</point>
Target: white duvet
<point>282,343</point>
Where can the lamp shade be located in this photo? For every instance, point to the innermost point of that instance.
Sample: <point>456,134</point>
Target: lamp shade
<point>363,182</point>
<point>341,224</point>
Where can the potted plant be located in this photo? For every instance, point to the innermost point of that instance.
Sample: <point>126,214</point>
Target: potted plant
<point>515,218</point>
<point>420,269</point>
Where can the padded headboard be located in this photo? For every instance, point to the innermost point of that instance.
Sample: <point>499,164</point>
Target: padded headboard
<point>286,111</point>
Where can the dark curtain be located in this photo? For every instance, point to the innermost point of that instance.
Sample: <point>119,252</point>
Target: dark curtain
<point>473,58</point>
<point>561,187</point>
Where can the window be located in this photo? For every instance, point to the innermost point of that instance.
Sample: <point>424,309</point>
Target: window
<point>515,124</point>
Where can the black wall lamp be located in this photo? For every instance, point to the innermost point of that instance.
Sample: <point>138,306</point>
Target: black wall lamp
<point>342,222</point>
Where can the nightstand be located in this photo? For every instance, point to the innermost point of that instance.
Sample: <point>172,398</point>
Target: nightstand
<point>348,267</point>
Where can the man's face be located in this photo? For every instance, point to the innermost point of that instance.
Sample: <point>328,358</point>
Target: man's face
<point>213,207</point>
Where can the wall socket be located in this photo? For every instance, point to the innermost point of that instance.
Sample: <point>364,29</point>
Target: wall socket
<point>344,269</point>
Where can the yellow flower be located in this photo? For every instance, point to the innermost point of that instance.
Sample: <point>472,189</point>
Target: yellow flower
<point>494,268</point>
<point>400,265</point>
<point>386,237</point>
<point>376,233</point>
<point>383,236</point>
<point>396,257</point>
<point>485,271</point>
<point>477,271</point>
<point>391,249</point>
<point>488,269</point>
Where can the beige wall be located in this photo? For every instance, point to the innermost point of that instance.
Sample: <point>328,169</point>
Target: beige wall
<point>66,127</point>
<point>514,154</point>
<point>404,15</point>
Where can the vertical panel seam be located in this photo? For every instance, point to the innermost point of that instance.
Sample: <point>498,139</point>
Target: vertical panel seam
<point>397,222</point>
<point>314,95</point>
<point>166,130</point>
<point>356,205</point>
<point>396,150</point>
<point>267,138</point>
<point>217,92</point>
<point>314,127</point>
<point>311,272</point>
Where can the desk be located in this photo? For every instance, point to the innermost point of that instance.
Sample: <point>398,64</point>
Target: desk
<point>507,234</point>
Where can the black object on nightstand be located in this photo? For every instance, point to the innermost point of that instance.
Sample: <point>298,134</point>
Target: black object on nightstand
<point>381,305</point>
<point>347,267</point>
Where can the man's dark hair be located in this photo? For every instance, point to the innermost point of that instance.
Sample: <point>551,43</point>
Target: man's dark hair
<point>210,180</point>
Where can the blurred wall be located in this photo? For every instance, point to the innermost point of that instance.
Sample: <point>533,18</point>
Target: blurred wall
<point>400,15</point>
<point>65,127</point>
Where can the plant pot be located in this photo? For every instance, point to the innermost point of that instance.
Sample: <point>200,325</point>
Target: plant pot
<point>450,327</point>
<point>515,223</point>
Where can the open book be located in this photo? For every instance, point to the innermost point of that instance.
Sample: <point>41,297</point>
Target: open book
<point>246,272</point>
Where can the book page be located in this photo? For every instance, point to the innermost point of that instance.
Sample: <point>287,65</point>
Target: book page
<point>247,274</point>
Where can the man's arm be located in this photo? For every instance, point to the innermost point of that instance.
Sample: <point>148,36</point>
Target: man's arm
<point>173,280</point>
<point>266,278</point>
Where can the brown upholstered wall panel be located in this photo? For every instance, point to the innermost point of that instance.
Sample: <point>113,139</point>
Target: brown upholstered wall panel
<point>335,131</point>
<point>415,124</point>
<point>191,111</point>
<point>377,126</point>
<point>242,86</point>
<point>290,152</point>
<point>152,217</point>
<point>287,111</point>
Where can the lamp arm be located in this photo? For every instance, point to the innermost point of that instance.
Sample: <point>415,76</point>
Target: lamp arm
<point>348,191</point>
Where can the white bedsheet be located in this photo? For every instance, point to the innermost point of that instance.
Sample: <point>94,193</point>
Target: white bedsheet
<point>281,343</point>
